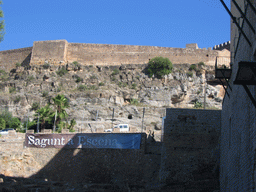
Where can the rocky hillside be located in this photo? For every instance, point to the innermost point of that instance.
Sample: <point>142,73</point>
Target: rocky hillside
<point>94,91</point>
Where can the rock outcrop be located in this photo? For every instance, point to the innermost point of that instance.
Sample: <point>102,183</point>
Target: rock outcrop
<point>93,92</point>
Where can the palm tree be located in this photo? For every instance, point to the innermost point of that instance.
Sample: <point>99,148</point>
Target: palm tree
<point>60,103</point>
<point>45,115</point>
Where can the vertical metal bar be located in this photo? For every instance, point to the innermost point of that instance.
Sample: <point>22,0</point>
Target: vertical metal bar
<point>234,20</point>
<point>226,80</point>
<point>224,87</point>
<point>143,119</point>
<point>38,124</point>
<point>113,115</point>
<point>244,16</point>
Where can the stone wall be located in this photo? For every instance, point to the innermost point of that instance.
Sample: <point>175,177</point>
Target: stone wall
<point>72,165</point>
<point>190,150</point>
<point>103,54</point>
<point>53,52</point>
<point>59,52</point>
<point>9,58</point>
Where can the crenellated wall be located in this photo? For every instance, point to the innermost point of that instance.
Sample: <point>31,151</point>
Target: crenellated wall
<point>59,52</point>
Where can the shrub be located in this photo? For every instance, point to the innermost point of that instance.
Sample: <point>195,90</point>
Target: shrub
<point>159,67</point>
<point>82,87</point>
<point>17,64</point>
<point>46,66</point>
<point>78,79</point>
<point>189,74</point>
<point>3,75</point>
<point>121,84</point>
<point>61,72</point>
<point>35,106</point>
<point>200,64</point>
<point>93,77</point>
<point>12,89</point>
<point>17,99</point>
<point>30,78</point>
<point>198,104</point>
<point>115,72</point>
<point>93,87</point>
<point>192,67</point>
<point>101,84</point>
<point>134,102</point>
<point>75,63</point>
<point>45,93</point>
<point>134,85</point>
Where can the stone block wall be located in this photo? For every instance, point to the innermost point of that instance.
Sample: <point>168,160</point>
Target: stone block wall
<point>53,52</point>
<point>60,52</point>
<point>104,54</point>
<point>191,145</point>
<point>9,58</point>
<point>72,165</point>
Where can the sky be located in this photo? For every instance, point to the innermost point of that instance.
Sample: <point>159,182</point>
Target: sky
<point>164,23</point>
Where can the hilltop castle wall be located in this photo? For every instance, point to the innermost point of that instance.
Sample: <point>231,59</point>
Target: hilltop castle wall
<point>9,58</point>
<point>101,54</point>
<point>60,52</point>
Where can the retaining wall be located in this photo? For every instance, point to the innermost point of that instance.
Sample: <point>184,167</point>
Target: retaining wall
<point>72,165</point>
<point>191,146</point>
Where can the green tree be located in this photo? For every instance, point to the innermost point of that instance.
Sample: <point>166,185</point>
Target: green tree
<point>15,123</point>
<point>2,26</point>
<point>60,103</point>
<point>159,67</point>
<point>72,125</point>
<point>7,116</point>
<point>45,115</point>
<point>2,123</point>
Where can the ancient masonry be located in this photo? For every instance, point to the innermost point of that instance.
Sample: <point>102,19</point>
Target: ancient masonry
<point>61,52</point>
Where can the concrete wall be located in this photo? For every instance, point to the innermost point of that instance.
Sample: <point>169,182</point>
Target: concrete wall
<point>190,149</point>
<point>9,58</point>
<point>238,132</point>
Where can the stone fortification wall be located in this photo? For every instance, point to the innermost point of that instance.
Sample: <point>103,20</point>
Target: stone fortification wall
<point>190,149</point>
<point>60,52</point>
<point>9,58</point>
<point>104,54</point>
<point>53,52</point>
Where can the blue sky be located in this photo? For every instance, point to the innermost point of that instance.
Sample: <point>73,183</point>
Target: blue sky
<point>165,23</point>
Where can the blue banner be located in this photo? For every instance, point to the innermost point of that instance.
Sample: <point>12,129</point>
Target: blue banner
<point>84,140</point>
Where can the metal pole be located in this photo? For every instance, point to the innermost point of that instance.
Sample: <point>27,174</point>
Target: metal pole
<point>54,127</point>
<point>143,119</point>
<point>113,115</point>
<point>38,124</point>
<point>205,94</point>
